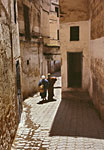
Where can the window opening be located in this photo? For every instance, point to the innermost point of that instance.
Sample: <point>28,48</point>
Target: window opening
<point>57,11</point>
<point>27,23</point>
<point>74,33</point>
<point>57,34</point>
<point>27,62</point>
<point>15,11</point>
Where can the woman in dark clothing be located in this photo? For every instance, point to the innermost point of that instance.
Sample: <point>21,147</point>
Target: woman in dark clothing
<point>51,81</point>
<point>43,85</point>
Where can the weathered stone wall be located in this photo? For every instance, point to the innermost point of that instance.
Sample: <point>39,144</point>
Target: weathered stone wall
<point>52,50</point>
<point>54,23</point>
<point>97,74</point>
<point>96,8</point>
<point>53,29</point>
<point>8,106</point>
<point>45,32</point>
<point>32,49</point>
<point>45,19</point>
<point>75,46</point>
<point>9,115</point>
<point>73,11</point>
<point>29,48</point>
<point>52,54</point>
<point>31,72</point>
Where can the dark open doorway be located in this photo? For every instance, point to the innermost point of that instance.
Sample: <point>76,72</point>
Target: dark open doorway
<point>19,101</point>
<point>74,69</point>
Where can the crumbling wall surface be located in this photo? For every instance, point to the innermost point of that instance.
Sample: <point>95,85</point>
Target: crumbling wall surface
<point>29,47</point>
<point>44,27</point>
<point>32,48</point>
<point>74,13</point>
<point>97,54</point>
<point>98,80</point>
<point>30,68</point>
<point>97,18</point>
<point>8,105</point>
<point>9,51</point>
<point>73,10</point>
<point>97,74</point>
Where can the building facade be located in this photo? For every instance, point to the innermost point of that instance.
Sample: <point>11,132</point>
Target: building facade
<point>34,33</point>
<point>10,82</point>
<point>74,39</point>
<point>52,48</point>
<point>82,42</point>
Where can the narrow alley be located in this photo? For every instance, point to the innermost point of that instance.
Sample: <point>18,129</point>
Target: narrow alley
<point>39,38</point>
<point>69,122</point>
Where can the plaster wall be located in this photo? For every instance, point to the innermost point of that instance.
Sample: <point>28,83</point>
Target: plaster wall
<point>75,46</point>
<point>45,19</point>
<point>54,26</point>
<point>96,89</point>
<point>30,68</point>
<point>9,53</point>
<point>73,11</point>
<point>30,49</point>
<point>54,23</point>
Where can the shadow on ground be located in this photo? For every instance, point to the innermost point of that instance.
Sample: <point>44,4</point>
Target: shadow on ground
<point>46,101</point>
<point>76,116</point>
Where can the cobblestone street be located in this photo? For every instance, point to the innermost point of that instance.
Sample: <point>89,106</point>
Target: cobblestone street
<point>69,122</point>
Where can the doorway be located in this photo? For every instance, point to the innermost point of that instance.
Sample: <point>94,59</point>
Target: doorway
<point>18,82</point>
<point>74,60</point>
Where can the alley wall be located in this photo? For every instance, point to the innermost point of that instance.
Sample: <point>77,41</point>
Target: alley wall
<point>52,48</point>
<point>89,16</point>
<point>74,14</point>
<point>34,34</point>
<point>9,54</point>
<point>97,54</point>
<point>72,11</point>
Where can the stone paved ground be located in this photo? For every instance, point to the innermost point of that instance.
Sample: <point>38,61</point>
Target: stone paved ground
<point>69,122</point>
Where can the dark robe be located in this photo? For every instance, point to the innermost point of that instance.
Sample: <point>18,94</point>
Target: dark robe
<point>51,81</point>
<point>45,83</point>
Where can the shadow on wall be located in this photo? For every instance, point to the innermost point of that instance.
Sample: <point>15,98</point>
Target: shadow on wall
<point>55,66</point>
<point>77,117</point>
<point>56,74</point>
<point>29,94</point>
